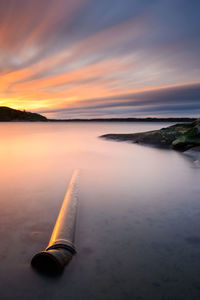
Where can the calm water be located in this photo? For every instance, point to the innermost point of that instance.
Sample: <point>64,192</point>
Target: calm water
<point>138,231</point>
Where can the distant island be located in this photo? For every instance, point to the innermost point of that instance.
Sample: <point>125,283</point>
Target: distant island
<point>180,137</point>
<point>8,114</point>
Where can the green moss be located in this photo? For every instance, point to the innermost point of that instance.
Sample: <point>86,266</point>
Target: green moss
<point>191,133</point>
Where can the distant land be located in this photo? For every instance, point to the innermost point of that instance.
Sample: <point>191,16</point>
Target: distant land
<point>8,114</point>
<point>181,119</point>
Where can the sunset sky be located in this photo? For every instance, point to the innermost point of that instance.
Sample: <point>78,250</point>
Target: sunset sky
<point>100,58</point>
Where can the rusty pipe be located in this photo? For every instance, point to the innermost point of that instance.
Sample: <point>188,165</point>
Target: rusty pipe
<point>61,248</point>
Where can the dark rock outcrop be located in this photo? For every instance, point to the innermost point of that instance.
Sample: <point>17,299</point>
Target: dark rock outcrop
<point>180,136</point>
<point>13,115</point>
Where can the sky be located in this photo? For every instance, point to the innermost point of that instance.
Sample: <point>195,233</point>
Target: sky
<point>101,58</point>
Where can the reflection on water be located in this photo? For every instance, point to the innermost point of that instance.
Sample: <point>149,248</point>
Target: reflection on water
<point>139,214</point>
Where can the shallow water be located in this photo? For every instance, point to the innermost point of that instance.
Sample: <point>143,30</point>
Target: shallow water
<point>139,213</point>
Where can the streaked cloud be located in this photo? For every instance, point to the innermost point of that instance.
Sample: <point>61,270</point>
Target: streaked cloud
<point>174,99</point>
<point>87,58</point>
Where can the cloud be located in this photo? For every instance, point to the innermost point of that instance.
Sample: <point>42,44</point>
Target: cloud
<point>91,56</point>
<point>183,99</point>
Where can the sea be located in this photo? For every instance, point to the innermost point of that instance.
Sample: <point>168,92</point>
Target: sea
<point>138,225</point>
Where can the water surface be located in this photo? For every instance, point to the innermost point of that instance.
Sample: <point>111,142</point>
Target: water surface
<point>139,214</point>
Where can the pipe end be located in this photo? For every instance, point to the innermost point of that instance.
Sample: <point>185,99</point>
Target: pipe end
<point>51,261</point>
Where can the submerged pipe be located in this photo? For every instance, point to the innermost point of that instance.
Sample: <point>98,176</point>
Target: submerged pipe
<point>61,249</point>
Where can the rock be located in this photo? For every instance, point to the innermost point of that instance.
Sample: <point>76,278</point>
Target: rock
<point>180,136</point>
<point>189,139</point>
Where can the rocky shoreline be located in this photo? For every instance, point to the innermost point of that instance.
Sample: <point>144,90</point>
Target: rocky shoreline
<point>181,137</point>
